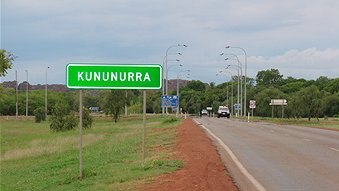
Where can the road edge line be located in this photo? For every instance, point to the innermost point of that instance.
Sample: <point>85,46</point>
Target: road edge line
<point>242,169</point>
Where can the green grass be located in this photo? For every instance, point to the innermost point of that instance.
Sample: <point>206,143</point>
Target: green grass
<point>35,158</point>
<point>330,123</point>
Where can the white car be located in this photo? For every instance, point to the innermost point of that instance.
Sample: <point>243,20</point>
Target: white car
<point>204,112</point>
<point>223,111</point>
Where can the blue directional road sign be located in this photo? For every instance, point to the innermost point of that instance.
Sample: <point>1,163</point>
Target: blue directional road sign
<point>169,101</point>
<point>237,106</point>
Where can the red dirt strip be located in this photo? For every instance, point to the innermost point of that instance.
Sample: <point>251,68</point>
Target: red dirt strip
<point>203,168</point>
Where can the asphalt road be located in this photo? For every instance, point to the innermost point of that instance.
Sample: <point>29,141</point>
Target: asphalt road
<point>281,157</point>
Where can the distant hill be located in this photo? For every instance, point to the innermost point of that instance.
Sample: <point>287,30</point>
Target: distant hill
<point>22,86</point>
<point>172,85</point>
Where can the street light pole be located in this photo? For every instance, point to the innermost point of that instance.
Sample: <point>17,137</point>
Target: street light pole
<point>26,93</point>
<point>245,74</point>
<point>16,95</point>
<point>178,107</point>
<point>240,97</point>
<point>166,62</point>
<point>163,79</point>
<point>46,93</point>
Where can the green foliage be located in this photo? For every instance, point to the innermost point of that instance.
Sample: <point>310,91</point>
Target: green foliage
<point>114,103</point>
<point>6,61</point>
<point>191,101</point>
<point>331,105</point>
<point>36,99</point>
<point>61,120</point>
<point>171,120</point>
<point>269,78</point>
<point>194,97</point>
<point>39,114</point>
<point>7,101</point>
<point>263,99</point>
<point>196,85</point>
<point>333,86</point>
<point>309,99</point>
<point>87,119</point>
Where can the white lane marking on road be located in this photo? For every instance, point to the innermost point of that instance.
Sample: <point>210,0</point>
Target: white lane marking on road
<point>309,140</point>
<point>255,183</point>
<point>335,149</point>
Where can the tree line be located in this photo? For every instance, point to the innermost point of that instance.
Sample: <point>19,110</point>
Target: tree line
<point>305,98</point>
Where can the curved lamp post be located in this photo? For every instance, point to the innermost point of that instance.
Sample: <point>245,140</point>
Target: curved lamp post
<point>240,97</point>
<point>228,67</point>
<point>46,93</point>
<point>26,92</point>
<point>166,62</point>
<point>178,75</point>
<point>245,74</point>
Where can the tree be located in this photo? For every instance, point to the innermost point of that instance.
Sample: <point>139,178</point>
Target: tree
<point>87,119</point>
<point>196,85</point>
<point>322,82</point>
<point>292,87</point>
<point>6,61</point>
<point>60,121</point>
<point>39,114</point>
<point>309,100</point>
<point>212,85</point>
<point>270,77</point>
<point>333,86</point>
<point>114,103</point>
<point>263,99</point>
<point>331,105</point>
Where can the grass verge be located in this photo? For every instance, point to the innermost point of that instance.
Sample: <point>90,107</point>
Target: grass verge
<point>35,158</point>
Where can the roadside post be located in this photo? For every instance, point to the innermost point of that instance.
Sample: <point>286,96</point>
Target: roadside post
<point>113,76</point>
<point>80,129</point>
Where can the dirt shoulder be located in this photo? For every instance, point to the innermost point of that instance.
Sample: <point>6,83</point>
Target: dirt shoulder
<point>203,169</point>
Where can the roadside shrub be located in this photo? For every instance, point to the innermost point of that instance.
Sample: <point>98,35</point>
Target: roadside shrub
<point>87,120</point>
<point>170,120</point>
<point>39,114</point>
<point>60,121</point>
<point>71,121</point>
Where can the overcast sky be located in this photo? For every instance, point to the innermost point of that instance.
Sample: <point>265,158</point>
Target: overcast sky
<point>300,38</point>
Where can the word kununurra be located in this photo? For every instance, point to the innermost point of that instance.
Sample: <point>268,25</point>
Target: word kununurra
<point>114,76</point>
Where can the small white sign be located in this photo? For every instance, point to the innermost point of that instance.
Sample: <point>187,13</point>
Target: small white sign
<point>278,102</point>
<point>252,104</point>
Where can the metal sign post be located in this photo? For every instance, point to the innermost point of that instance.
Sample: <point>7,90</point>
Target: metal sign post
<point>80,126</point>
<point>144,127</point>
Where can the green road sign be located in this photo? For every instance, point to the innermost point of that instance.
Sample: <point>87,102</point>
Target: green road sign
<point>113,76</point>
